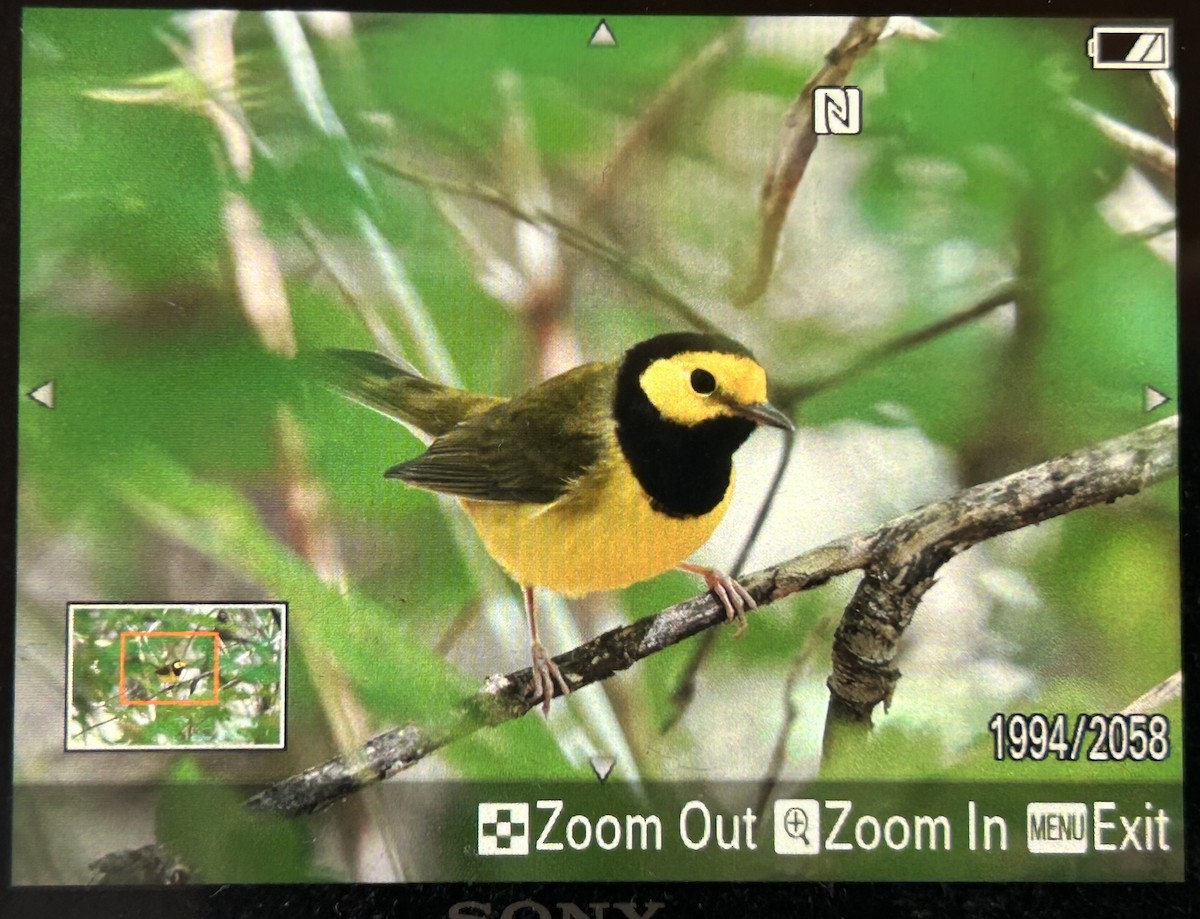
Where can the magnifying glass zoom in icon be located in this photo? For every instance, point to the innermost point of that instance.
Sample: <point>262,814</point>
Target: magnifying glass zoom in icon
<point>797,826</point>
<point>795,823</point>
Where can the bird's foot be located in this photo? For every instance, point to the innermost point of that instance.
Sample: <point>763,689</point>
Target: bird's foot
<point>545,675</point>
<point>731,595</point>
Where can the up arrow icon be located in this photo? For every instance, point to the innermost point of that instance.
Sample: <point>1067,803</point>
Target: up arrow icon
<point>602,37</point>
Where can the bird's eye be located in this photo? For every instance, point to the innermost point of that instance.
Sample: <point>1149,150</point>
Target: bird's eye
<point>703,381</point>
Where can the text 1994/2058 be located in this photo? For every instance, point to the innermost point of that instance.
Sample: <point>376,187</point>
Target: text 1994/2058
<point>1099,738</point>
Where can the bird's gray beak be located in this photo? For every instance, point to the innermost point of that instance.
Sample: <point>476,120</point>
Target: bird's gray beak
<point>765,413</point>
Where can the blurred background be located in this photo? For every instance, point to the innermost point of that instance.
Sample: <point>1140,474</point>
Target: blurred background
<point>982,279</point>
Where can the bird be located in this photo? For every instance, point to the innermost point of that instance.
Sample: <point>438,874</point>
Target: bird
<point>601,477</point>
<point>169,672</point>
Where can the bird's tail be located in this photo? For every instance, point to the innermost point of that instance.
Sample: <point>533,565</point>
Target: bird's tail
<point>391,390</point>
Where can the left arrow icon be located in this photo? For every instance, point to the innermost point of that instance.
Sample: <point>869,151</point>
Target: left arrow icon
<point>44,394</point>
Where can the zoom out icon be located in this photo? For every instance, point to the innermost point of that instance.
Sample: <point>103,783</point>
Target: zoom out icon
<point>503,829</point>
<point>837,110</point>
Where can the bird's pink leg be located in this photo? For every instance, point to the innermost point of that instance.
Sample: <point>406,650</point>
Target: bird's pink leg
<point>545,672</point>
<point>732,595</point>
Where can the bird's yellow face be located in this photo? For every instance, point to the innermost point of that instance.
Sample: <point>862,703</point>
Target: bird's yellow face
<point>171,670</point>
<point>697,386</point>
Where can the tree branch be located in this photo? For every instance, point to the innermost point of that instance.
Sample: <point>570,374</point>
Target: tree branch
<point>899,559</point>
<point>795,145</point>
<point>909,551</point>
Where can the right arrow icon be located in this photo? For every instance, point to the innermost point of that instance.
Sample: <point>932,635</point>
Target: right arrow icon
<point>1154,398</point>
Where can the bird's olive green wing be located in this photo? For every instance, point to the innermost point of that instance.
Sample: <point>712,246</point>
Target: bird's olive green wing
<point>531,449</point>
<point>392,390</point>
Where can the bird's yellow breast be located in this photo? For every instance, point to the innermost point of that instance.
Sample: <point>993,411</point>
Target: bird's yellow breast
<point>602,535</point>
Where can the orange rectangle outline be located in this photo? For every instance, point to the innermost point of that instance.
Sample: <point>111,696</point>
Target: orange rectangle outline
<point>216,696</point>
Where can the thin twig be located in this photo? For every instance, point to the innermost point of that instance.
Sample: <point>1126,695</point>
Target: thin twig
<point>795,145</point>
<point>1141,147</point>
<point>789,395</point>
<point>620,262</point>
<point>1153,700</point>
<point>917,542</point>
<point>1164,84</point>
<point>791,711</point>
<point>463,620</point>
<point>656,117</point>
<point>685,691</point>
<point>785,454</point>
<point>343,279</point>
<point>545,291</point>
<point>906,27</point>
<point>1153,231</point>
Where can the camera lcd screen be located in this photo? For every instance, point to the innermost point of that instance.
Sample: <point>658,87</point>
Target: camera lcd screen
<point>562,448</point>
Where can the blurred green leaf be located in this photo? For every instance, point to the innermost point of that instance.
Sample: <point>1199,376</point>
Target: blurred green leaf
<point>206,826</point>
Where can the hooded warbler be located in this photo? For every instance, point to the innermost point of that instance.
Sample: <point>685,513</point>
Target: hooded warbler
<point>598,478</point>
<point>169,672</point>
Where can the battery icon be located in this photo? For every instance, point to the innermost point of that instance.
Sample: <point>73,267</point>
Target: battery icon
<point>1130,48</point>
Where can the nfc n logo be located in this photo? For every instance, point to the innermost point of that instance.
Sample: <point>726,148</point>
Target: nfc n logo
<point>837,110</point>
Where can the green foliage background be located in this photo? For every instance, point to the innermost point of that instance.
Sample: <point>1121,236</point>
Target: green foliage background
<point>165,457</point>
